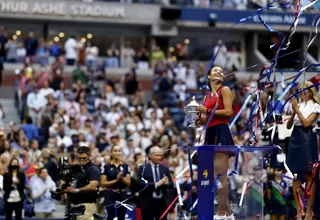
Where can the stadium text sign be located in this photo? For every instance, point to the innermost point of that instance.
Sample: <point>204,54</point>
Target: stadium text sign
<point>280,19</point>
<point>61,9</point>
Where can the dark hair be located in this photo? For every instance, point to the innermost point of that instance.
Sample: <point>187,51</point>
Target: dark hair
<point>209,72</point>
<point>42,168</point>
<point>28,120</point>
<point>10,167</point>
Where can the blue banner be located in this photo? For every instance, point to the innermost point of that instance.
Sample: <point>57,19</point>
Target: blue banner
<point>228,16</point>
<point>205,183</point>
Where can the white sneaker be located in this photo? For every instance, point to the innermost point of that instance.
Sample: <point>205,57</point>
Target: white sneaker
<point>220,217</point>
<point>230,217</point>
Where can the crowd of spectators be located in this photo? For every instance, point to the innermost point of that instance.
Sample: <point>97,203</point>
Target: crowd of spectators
<point>94,111</point>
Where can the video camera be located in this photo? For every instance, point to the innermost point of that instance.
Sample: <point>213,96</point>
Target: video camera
<point>69,174</point>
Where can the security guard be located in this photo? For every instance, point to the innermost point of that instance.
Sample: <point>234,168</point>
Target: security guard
<point>115,177</point>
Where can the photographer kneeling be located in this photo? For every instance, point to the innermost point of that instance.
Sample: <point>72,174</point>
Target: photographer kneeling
<point>88,181</point>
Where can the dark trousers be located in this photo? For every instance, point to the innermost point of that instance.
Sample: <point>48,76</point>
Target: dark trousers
<point>71,62</point>
<point>110,199</point>
<point>16,207</point>
<point>155,211</point>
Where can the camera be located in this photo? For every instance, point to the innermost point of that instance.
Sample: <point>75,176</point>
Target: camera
<point>68,173</point>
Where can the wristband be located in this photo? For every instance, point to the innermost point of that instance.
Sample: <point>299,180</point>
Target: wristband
<point>76,190</point>
<point>209,111</point>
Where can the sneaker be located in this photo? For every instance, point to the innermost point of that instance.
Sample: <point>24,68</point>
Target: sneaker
<point>230,217</point>
<point>220,217</point>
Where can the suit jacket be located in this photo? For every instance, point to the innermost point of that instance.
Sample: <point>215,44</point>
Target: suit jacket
<point>7,184</point>
<point>147,194</point>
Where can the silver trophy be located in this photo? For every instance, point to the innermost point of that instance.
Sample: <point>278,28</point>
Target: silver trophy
<point>192,112</point>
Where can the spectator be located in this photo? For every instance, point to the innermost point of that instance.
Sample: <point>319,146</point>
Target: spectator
<point>71,107</point>
<point>61,138</point>
<point>92,53</point>
<point>128,56</point>
<point>221,54</point>
<point>2,114</point>
<point>78,74</point>
<point>157,56</point>
<point>27,166</point>
<point>36,103</point>
<point>46,91</point>
<point>180,89</point>
<point>131,84</point>
<point>12,48</point>
<point>70,47</point>
<point>13,186</point>
<point>3,42</point>
<point>21,53</point>
<point>44,205</point>
<point>113,56</point>
<point>143,59</point>
<point>30,129</point>
<point>42,76</point>
<point>54,52</point>
<point>31,45</point>
<point>42,52</point>
<point>34,153</point>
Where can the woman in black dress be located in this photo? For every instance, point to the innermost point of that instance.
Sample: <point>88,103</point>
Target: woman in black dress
<point>116,179</point>
<point>303,147</point>
<point>13,186</point>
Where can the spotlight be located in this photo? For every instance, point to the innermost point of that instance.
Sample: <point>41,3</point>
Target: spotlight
<point>213,18</point>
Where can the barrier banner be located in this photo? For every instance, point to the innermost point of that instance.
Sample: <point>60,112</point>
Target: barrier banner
<point>205,183</point>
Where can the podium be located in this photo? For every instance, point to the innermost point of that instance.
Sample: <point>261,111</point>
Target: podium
<point>245,168</point>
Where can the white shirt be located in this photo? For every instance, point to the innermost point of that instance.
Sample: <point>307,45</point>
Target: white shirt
<point>45,204</point>
<point>36,100</point>
<point>46,91</point>
<point>71,48</point>
<point>1,117</point>
<point>66,140</point>
<point>34,155</point>
<point>221,57</point>
<point>159,112</point>
<point>92,53</point>
<point>307,108</point>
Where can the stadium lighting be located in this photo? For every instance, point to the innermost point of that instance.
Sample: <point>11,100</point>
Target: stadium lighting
<point>18,32</point>
<point>61,34</point>
<point>83,40</point>
<point>171,49</point>
<point>14,37</point>
<point>56,39</point>
<point>89,35</point>
<point>187,41</point>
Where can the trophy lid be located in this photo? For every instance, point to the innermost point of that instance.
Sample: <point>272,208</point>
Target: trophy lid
<point>193,102</point>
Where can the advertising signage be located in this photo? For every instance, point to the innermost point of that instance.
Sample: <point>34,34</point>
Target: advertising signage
<point>61,8</point>
<point>224,16</point>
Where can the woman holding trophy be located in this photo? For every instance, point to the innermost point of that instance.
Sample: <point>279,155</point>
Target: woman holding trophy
<point>218,133</point>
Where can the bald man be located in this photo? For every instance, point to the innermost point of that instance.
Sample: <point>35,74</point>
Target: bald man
<point>154,199</point>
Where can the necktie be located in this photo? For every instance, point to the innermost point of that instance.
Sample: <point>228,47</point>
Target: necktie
<point>157,178</point>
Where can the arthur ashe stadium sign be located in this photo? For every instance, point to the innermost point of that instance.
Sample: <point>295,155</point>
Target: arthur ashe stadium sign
<point>62,8</point>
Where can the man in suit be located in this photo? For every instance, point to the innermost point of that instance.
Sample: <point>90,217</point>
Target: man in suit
<point>156,178</point>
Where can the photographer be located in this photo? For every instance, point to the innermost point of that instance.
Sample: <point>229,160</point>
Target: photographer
<point>87,184</point>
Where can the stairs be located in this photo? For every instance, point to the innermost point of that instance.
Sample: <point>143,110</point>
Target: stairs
<point>10,111</point>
